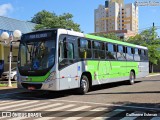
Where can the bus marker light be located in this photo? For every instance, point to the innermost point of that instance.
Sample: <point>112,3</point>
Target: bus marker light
<point>76,77</point>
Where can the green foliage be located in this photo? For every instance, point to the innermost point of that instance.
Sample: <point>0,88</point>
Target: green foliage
<point>109,35</point>
<point>149,39</point>
<point>46,20</point>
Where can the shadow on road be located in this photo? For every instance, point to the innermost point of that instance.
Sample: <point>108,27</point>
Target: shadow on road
<point>29,95</point>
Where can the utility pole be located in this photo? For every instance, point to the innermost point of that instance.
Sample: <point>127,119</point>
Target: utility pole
<point>153,31</point>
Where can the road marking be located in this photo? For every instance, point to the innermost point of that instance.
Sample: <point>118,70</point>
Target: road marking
<point>9,102</point>
<point>44,118</point>
<point>118,105</point>
<point>109,114</point>
<point>21,108</point>
<point>70,111</point>
<point>56,109</point>
<point>44,107</point>
<point>60,108</point>
<point>18,118</point>
<point>90,112</point>
<point>17,105</point>
<point>38,109</point>
<point>30,106</point>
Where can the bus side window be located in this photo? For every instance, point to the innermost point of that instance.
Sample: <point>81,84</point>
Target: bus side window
<point>110,52</point>
<point>84,48</point>
<point>136,55</point>
<point>120,53</point>
<point>96,49</point>
<point>70,50</point>
<point>129,54</point>
<point>61,51</point>
<point>143,56</point>
<point>146,55</point>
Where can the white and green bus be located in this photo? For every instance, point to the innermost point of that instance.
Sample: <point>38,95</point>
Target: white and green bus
<point>60,59</point>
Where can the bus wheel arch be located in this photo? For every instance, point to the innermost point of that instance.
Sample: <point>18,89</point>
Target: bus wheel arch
<point>85,82</point>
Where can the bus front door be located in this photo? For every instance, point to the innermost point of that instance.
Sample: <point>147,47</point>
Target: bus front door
<point>67,64</point>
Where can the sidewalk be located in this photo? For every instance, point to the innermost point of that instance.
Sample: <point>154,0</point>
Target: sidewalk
<point>12,89</point>
<point>151,75</point>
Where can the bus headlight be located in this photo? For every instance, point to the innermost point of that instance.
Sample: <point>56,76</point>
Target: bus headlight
<point>51,77</point>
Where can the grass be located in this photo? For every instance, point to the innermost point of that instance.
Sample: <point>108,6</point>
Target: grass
<point>5,84</point>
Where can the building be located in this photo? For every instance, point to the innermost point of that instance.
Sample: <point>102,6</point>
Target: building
<point>9,25</point>
<point>116,16</point>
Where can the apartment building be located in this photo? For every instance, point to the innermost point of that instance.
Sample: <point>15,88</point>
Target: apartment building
<point>116,16</point>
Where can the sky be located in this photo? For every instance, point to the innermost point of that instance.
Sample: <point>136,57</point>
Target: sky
<point>83,11</point>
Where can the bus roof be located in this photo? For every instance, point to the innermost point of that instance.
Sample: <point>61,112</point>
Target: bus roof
<point>113,41</point>
<point>79,34</point>
<point>71,32</point>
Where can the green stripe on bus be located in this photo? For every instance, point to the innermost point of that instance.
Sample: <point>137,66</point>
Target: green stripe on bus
<point>101,70</point>
<point>39,78</point>
<point>108,40</point>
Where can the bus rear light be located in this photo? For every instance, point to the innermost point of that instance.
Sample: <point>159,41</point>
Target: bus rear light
<point>62,76</point>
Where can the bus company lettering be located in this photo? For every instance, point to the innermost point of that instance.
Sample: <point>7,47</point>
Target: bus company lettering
<point>44,35</point>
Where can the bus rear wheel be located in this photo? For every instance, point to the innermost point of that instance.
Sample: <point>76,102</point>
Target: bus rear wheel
<point>84,85</point>
<point>132,78</point>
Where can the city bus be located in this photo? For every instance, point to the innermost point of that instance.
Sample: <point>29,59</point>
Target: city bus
<point>61,59</point>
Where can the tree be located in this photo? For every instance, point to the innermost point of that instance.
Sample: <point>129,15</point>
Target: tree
<point>45,20</point>
<point>149,39</point>
<point>109,35</point>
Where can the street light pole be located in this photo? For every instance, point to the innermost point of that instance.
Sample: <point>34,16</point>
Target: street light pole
<point>10,62</point>
<point>5,36</point>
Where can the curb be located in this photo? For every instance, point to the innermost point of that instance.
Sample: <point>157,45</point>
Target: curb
<point>152,75</point>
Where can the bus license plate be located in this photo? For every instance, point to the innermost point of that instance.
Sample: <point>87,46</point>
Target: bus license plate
<point>31,88</point>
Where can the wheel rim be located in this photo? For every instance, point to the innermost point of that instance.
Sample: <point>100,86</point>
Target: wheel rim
<point>132,79</point>
<point>84,84</point>
<point>15,78</point>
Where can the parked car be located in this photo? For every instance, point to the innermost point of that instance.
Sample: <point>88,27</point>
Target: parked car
<point>5,75</point>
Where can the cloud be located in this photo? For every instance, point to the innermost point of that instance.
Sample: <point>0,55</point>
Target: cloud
<point>5,8</point>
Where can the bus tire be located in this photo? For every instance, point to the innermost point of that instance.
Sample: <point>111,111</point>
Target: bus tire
<point>84,85</point>
<point>132,78</point>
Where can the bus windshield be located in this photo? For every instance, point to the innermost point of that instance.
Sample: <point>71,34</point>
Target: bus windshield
<point>36,55</point>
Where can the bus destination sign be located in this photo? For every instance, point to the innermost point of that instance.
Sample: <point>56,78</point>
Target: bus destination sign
<point>38,35</point>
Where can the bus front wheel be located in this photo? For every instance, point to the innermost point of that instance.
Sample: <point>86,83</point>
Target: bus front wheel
<point>84,85</point>
<point>132,78</point>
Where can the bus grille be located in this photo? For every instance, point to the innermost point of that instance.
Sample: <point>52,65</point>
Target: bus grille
<point>36,86</point>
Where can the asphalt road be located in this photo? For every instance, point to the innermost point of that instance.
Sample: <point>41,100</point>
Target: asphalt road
<point>116,101</point>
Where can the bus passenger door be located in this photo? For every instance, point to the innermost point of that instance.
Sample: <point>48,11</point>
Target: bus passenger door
<point>67,65</point>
